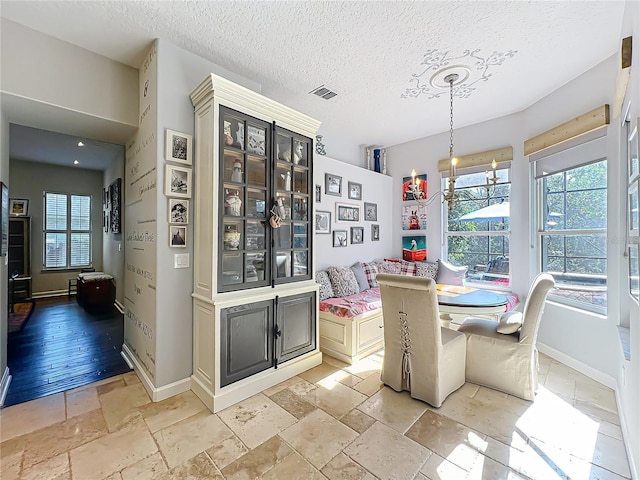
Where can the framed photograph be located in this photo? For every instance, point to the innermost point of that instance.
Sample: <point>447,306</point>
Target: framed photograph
<point>105,198</point>
<point>375,233</point>
<point>347,213</point>
<point>177,181</point>
<point>105,221</point>
<point>18,207</point>
<point>332,185</point>
<point>355,191</point>
<point>318,193</point>
<point>417,191</point>
<point>178,211</point>
<point>339,238</point>
<point>177,236</point>
<point>371,212</point>
<point>357,235</point>
<point>115,196</point>
<point>178,147</point>
<point>4,220</point>
<point>414,217</point>
<point>323,222</point>
<point>414,248</point>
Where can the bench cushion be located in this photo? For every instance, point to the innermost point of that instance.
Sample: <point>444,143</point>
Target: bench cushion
<point>352,305</point>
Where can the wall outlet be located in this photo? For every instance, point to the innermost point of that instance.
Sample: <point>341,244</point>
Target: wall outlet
<point>181,260</point>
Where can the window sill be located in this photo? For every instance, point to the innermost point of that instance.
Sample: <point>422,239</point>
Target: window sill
<point>64,270</point>
<point>625,341</point>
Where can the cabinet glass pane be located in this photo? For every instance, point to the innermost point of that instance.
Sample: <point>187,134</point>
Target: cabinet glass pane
<point>301,149</point>
<point>284,207</point>
<point>300,181</point>
<point>233,201</point>
<point>256,266</point>
<point>256,171</point>
<point>232,238</point>
<point>256,142</point>
<point>233,132</point>
<point>300,235</point>
<point>300,266</point>
<point>282,236</point>
<point>283,264</point>
<point>283,147</point>
<point>255,236</point>
<point>283,177</point>
<point>233,170</point>
<point>256,203</point>
<point>231,268</point>
<point>300,210</point>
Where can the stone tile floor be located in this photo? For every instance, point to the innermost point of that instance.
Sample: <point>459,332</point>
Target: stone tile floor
<point>335,421</point>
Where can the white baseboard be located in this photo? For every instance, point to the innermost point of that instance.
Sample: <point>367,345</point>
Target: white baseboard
<point>4,385</point>
<point>157,394</point>
<point>51,293</point>
<point>119,306</point>
<point>631,455</point>
<point>597,375</point>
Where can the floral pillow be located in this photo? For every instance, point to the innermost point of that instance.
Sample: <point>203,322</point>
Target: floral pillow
<point>326,290</point>
<point>343,281</point>
<point>427,269</point>
<point>389,267</point>
<point>371,271</point>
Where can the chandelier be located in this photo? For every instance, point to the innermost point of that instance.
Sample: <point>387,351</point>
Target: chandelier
<point>449,195</point>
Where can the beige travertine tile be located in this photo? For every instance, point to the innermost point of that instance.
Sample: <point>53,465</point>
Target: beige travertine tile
<point>302,388</point>
<point>256,462</point>
<point>369,385</point>
<point>438,468</point>
<point>608,453</point>
<point>293,466</point>
<point>358,421</point>
<point>52,468</point>
<point>447,438</point>
<point>110,384</point>
<point>485,468</point>
<point>282,385</point>
<point>81,401</point>
<point>318,373</point>
<point>386,453</point>
<point>346,378</point>
<point>335,399</point>
<point>256,419</point>
<point>334,361</point>
<point>596,394</point>
<point>130,378</point>
<point>199,467</point>
<point>11,453</point>
<point>112,452</point>
<point>318,437</point>
<point>596,412</point>
<point>560,385</point>
<point>113,476</point>
<point>62,437</point>
<point>184,440</point>
<point>158,415</point>
<point>365,367</point>
<point>227,451</point>
<point>343,468</point>
<point>145,469</point>
<point>395,409</point>
<point>119,405</point>
<point>292,403</point>
<point>28,417</point>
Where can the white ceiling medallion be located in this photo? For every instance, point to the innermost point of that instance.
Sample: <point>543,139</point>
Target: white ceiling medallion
<point>437,65</point>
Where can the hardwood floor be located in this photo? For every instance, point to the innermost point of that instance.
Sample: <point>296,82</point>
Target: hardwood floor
<point>62,346</point>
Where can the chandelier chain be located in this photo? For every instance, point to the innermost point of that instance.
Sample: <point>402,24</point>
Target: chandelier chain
<point>451,118</point>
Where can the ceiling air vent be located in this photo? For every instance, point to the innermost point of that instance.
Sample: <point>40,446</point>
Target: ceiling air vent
<point>323,92</point>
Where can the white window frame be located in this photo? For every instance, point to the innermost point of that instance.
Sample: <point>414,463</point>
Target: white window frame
<point>68,232</point>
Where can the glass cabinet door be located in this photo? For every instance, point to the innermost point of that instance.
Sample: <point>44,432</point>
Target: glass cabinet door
<point>245,165</point>
<point>292,178</point>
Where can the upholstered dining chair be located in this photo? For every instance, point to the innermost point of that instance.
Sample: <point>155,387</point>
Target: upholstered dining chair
<point>419,355</point>
<point>503,355</point>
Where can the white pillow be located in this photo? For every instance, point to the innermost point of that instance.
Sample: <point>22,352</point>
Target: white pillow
<point>510,322</point>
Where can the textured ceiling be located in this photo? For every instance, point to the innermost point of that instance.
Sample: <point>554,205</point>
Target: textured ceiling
<point>367,52</point>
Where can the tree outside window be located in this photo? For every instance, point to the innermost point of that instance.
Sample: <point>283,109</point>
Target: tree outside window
<point>67,230</point>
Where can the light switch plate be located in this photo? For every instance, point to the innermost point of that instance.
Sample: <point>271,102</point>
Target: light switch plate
<point>181,260</point>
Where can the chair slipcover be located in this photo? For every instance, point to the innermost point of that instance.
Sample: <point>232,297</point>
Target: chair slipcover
<point>508,363</point>
<point>419,355</point>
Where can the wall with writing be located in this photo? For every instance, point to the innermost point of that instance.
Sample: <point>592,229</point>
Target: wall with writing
<point>113,243</point>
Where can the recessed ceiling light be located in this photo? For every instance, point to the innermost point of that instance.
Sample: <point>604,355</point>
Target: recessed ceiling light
<point>75,162</point>
<point>80,144</point>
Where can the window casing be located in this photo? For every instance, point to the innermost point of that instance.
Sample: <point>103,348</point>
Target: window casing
<point>481,244</point>
<point>67,231</point>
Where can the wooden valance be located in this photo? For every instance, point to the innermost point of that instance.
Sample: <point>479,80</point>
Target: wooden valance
<point>478,159</point>
<point>585,123</point>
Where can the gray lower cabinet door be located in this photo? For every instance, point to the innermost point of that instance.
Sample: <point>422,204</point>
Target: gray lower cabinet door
<point>295,326</point>
<point>246,341</point>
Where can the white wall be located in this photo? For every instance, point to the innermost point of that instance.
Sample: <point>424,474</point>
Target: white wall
<point>4,177</point>
<point>113,243</point>
<point>376,188</point>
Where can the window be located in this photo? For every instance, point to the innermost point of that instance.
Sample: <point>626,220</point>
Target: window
<point>572,225</point>
<point>67,230</point>
<point>477,229</point>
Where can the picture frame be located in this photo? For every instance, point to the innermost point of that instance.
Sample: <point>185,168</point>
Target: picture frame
<point>354,191</point>
<point>178,147</point>
<point>370,212</point>
<point>177,181</point>
<point>375,233</point>
<point>18,207</point>
<point>105,221</point>
<point>323,222</point>
<point>4,220</point>
<point>177,236</point>
<point>115,196</point>
<point>332,185</point>
<point>357,235</point>
<point>346,212</point>
<point>178,211</point>
<point>417,192</point>
<point>414,217</point>
<point>414,248</point>
<point>339,238</point>
<point>318,193</point>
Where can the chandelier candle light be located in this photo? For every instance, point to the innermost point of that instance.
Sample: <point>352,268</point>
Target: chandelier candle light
<point>494,179</point>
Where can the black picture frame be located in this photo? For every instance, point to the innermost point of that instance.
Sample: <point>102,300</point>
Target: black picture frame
<point>332,185</point>
<point>370,212</point>
<point>115,194</point>
<point>357,235</point>
<point>375,233</point>
<point>354,190</point>
<point>339,238</point>
<point>318,193</point>
<point>4,221</point>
